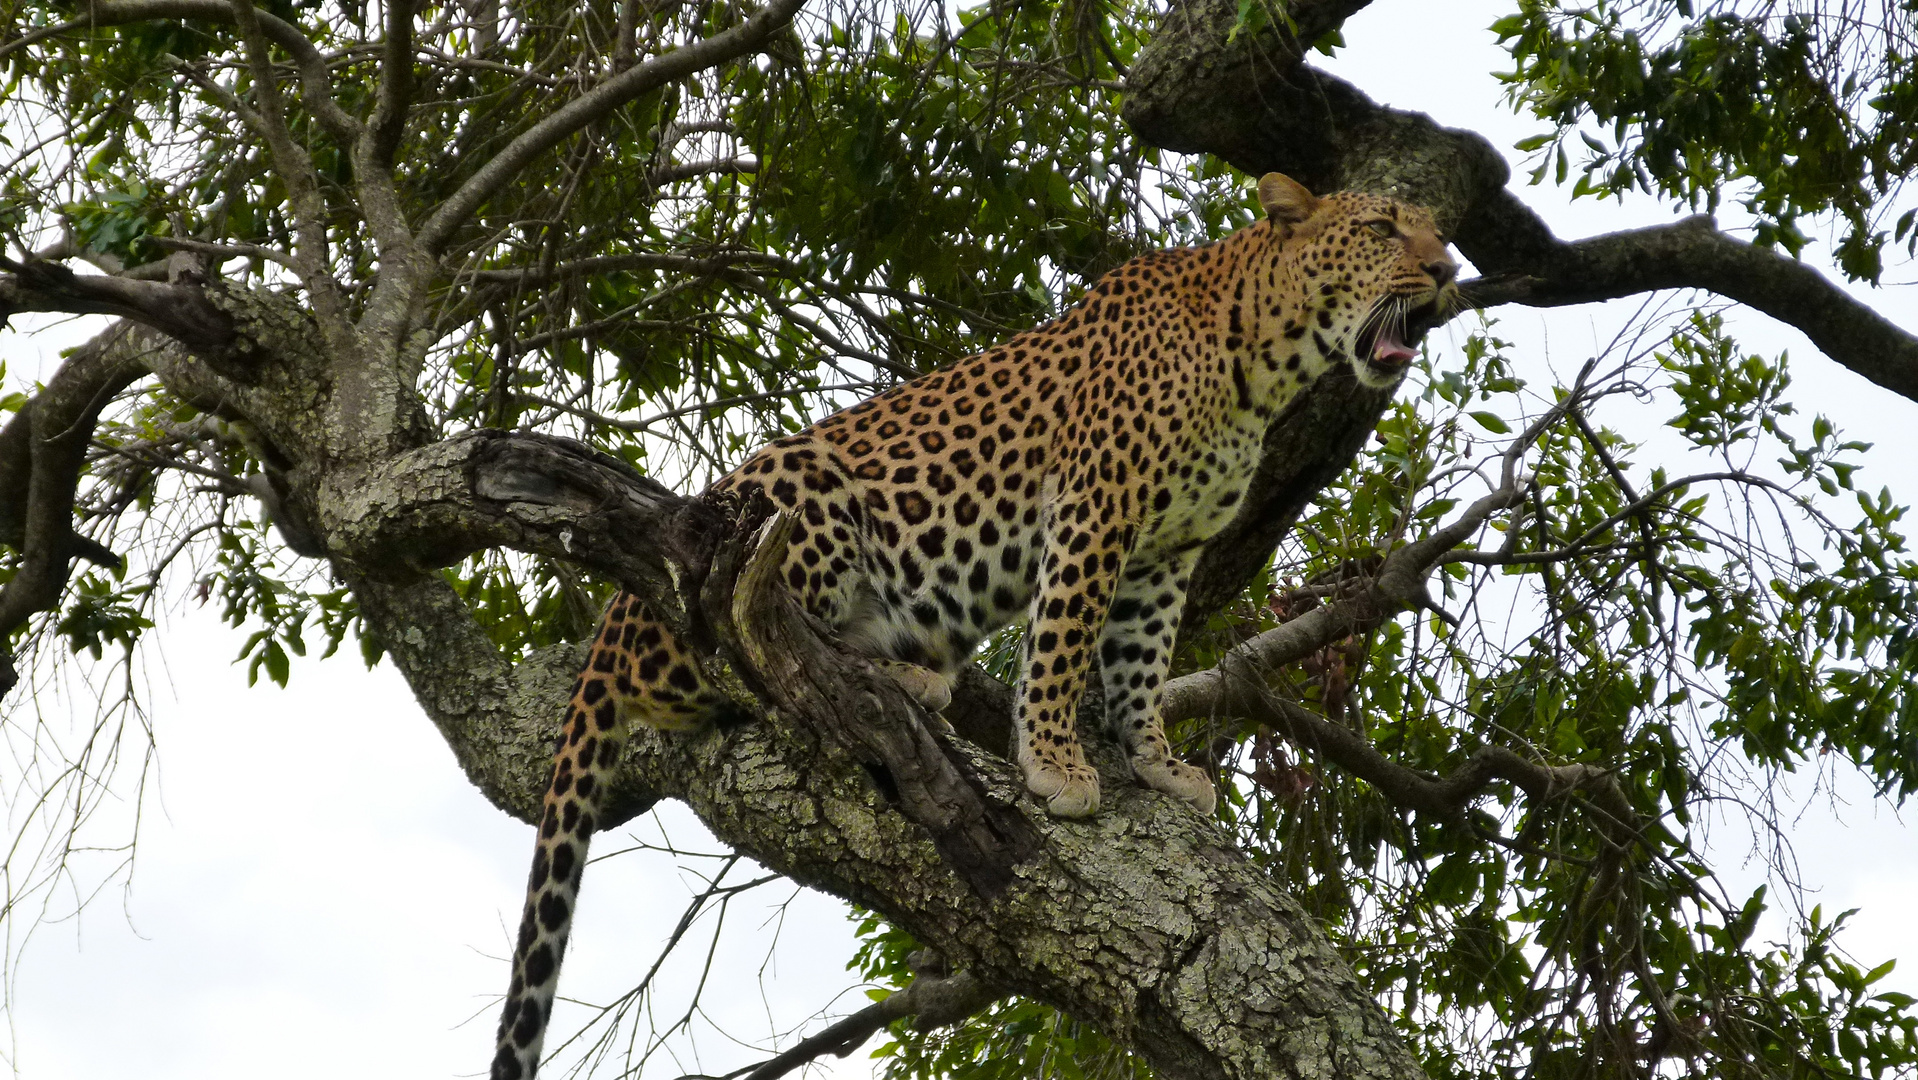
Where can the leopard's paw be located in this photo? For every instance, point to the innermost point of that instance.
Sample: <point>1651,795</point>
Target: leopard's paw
<point>1070,790</point>
<point>1176,778</point>
<point>929,688</point>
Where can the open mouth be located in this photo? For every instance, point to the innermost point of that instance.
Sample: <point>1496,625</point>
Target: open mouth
<point>1388,339</point>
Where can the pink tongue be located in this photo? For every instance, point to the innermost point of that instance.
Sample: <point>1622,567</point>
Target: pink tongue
<point>1390,351</point>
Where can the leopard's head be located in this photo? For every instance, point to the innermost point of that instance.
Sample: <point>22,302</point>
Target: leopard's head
<point>1378,267</point>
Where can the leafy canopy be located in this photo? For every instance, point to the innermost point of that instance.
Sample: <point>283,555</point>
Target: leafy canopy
<point>1690,611</point>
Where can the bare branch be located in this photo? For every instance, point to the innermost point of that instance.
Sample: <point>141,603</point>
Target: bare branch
<point>594,105</point>
<point>623,33</point>
<point>1445,797</point>
<point>1534,558</point>
<point>679,129</point>
<point>1399,585</point>
<point>670,174</point>
<point>1693,254</point>
<point>222,251</point>
<point>228,99</point>
<point>936,1001</point>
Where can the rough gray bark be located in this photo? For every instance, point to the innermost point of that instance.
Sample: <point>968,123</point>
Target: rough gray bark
<point>1144,920</point>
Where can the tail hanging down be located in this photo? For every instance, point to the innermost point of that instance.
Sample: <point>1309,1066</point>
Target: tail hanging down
<point>636,671</point>
<point>587,750</point>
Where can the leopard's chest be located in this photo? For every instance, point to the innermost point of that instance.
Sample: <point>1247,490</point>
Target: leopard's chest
<point>1206,481</point>
<point>1205,489</point>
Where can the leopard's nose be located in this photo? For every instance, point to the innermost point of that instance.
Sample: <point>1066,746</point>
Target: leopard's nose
<point>1441,270</point>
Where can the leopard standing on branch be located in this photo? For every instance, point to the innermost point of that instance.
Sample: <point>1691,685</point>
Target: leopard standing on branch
<point>1068,477</point>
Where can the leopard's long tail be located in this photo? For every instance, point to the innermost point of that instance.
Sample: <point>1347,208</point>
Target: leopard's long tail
<point>636,672</point>
<point>588,746</point>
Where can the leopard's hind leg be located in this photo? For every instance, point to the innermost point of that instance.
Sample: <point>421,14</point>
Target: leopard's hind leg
<point>931,689</point>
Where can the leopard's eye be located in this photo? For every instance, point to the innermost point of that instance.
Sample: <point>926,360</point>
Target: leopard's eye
<point>1382,228</point>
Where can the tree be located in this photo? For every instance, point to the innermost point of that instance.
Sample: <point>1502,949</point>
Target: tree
<point>399,276</point>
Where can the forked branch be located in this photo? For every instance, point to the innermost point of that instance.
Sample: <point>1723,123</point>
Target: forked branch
<point>934,1001</point>
<point>595,104</point>
<point>1240,684</point>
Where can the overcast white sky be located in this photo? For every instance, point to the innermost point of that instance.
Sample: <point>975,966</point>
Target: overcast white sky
<point>306,907</point>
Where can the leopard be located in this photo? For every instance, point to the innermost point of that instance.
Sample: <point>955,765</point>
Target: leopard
<point>1069,477</point>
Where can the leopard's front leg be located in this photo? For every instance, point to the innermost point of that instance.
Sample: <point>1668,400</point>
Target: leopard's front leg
<point>1085,546</point>
<point>1135,653</point>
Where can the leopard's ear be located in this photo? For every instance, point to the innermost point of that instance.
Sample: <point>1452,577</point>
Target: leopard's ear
<point>1286,201</point>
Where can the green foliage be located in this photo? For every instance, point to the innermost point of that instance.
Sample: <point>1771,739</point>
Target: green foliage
<point>1014,1039</point>
<point>1806,113</point>
<point>1631,621</point>
<point>119,222</point>
<point>100,613</point>
<point>529,608</point>
<point>254,592</point>
<point>1662,631</point>
<point>898,184</point>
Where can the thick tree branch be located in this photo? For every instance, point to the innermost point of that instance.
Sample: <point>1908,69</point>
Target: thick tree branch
<point>855,706</point>
<point>406,272</point>
<point>232,352</point>
<point>1693,254</point>
<point>182,312</point>
<point>396,85</point>
<point>1178,946</point>
<point>434,506</point>
<point>41,453</point>
<point>1252,101</point>
<point>498,718</point>
<point>1249,98</point>
<point>595,104</point>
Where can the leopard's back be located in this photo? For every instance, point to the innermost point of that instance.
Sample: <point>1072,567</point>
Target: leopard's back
<point>918,512</point>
